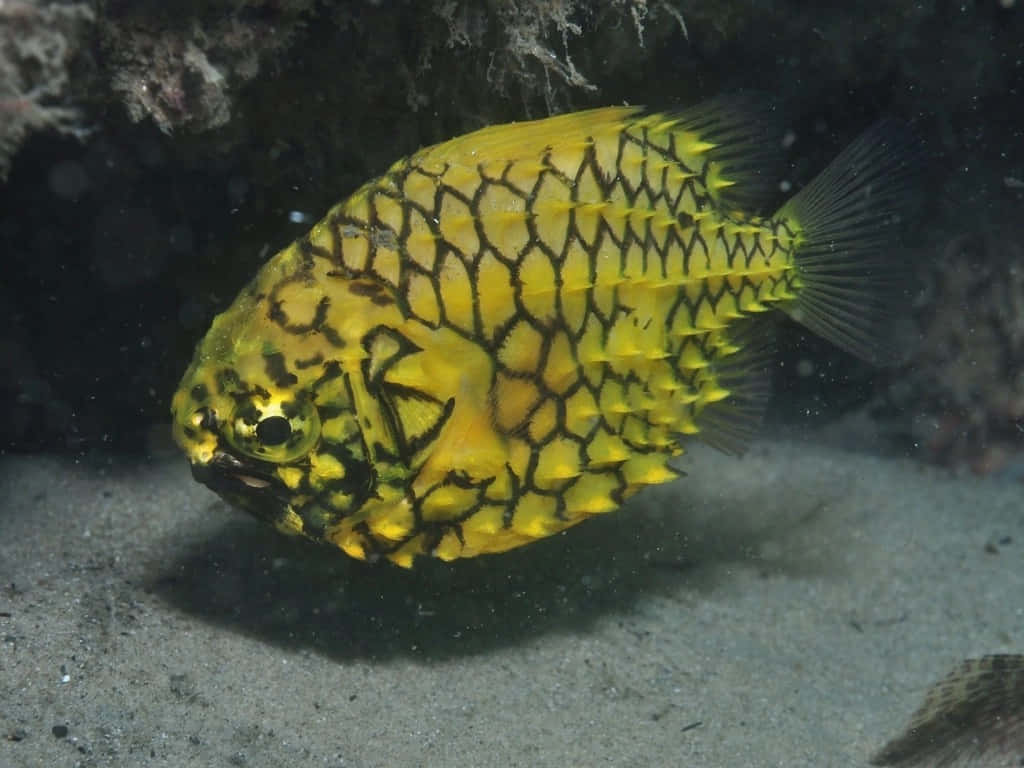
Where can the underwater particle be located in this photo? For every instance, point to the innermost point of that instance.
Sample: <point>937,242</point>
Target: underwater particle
<point>130,245</point>
<point>191,314</point>
<point>68,180</point>
<point>975,713</point>
<point>238,191</point>
<point>518,329</point>
<point>180,238</point>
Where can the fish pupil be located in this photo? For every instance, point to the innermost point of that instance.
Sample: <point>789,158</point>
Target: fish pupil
<point>273,430</point>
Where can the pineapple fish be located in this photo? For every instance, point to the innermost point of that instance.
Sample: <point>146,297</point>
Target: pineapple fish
<point>517,329</point>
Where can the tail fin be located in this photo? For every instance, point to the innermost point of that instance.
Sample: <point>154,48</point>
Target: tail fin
<point>848,221</point>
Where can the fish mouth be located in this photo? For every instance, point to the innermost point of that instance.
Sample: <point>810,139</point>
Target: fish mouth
<point>247,483</point>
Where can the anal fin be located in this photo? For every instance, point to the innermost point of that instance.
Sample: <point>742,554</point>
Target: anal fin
<point>740,360</point>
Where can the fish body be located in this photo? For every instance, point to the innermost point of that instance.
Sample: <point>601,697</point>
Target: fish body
<point>515,330</point>
<point>973,716</point>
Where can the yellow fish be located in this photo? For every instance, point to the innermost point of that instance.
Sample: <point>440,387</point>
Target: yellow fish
<point>515,330</point>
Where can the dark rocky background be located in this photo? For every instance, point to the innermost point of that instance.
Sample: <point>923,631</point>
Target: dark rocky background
<point>153,158</point>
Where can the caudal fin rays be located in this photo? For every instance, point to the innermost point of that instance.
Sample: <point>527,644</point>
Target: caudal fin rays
<point>848,221</point>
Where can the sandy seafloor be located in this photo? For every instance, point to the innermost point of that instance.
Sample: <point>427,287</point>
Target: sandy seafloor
<point>784,609</point>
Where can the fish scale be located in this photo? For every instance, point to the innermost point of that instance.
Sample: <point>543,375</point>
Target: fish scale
<point>508,333</point>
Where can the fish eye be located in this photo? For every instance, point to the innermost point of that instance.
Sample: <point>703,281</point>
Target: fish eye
<point>273,430</point>
<point>277,431</point>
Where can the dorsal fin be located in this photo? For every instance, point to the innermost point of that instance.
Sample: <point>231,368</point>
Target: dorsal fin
<point>526,139</point>
<point>743,133</point>
<point>736,133</point>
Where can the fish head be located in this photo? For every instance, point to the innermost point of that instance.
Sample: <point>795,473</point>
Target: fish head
<point>267,419</point>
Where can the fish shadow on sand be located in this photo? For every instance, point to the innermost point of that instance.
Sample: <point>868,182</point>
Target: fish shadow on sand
<point>295,594</point>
